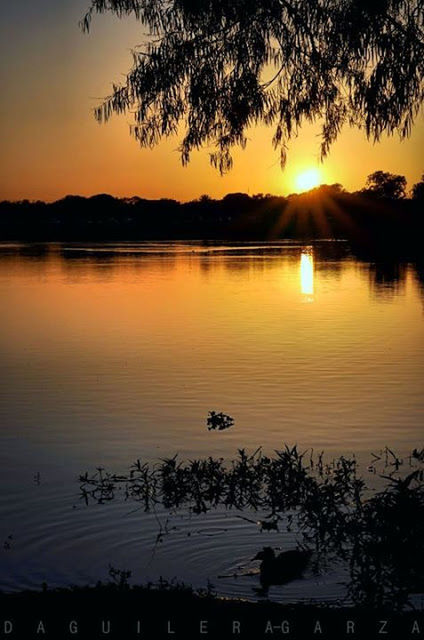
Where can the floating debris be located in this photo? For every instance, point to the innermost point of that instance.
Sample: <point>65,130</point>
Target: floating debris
<point>219,421</point>
<point>7,544</point>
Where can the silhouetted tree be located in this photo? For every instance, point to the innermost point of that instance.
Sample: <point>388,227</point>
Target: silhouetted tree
<point>418,190</point>
<point>386,185</point>
<point>218,66</point>
<point>328,190</point>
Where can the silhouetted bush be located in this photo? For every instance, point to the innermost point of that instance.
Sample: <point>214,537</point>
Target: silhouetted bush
<point>380,536</point>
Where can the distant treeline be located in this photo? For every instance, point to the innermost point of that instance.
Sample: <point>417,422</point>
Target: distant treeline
<point>326,212</point>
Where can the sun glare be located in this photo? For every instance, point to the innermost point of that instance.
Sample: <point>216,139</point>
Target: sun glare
<point>308,179</point>
<point>307,273</point>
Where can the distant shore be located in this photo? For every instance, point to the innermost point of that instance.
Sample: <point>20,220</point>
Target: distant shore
<point>366,221</point>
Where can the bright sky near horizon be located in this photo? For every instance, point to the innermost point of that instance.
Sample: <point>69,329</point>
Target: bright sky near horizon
<point>52,75</point>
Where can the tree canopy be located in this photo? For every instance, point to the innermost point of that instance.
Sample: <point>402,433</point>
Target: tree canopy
<point>418,190</point>
<point>212,68</point>
<point>383,184</point>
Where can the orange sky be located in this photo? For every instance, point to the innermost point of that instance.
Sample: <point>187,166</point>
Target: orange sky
<point>50,76</point>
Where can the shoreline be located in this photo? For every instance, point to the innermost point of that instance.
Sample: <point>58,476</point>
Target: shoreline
<point>152,612</point>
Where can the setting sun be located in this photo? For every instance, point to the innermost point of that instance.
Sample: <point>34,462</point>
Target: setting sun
<point>308,179</point>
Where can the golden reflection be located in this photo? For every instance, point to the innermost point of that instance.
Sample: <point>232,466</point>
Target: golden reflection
<point>307,273</point>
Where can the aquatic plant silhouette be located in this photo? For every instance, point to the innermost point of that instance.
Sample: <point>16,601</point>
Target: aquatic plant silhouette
<point>387,560</point>
<point>379,535</point>
<point>119,577</point>
<point>219,421</point>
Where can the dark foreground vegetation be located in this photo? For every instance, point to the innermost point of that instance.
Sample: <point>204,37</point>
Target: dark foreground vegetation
<point>377,534</point>
<point>378,216</point>
<point>156,612</point>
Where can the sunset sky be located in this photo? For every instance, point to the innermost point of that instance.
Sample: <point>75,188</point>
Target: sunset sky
<point>52,75</point>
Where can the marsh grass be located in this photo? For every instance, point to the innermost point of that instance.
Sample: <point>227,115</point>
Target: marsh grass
<point>379,534</point>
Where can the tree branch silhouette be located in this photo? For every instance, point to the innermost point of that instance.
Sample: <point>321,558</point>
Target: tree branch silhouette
<point>211,69</point>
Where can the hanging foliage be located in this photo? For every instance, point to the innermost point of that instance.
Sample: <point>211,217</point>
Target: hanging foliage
<point>213,68</point>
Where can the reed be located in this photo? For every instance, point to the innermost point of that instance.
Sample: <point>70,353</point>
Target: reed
<point>378,534</point>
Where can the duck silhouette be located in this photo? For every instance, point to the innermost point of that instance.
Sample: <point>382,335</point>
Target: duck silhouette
<point>285,567</point>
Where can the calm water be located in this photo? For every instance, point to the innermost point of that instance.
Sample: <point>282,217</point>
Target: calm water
<point>109,353</point>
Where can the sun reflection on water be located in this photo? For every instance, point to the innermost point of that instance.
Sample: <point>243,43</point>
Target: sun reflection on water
<point>307,274</point>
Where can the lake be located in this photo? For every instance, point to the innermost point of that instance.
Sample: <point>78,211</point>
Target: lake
<point>113,352</point>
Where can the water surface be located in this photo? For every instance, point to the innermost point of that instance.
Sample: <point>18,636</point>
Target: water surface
<point>114,352</point>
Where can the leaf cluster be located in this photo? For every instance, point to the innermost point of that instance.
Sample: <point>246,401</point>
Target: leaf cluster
<point>213,68</point>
